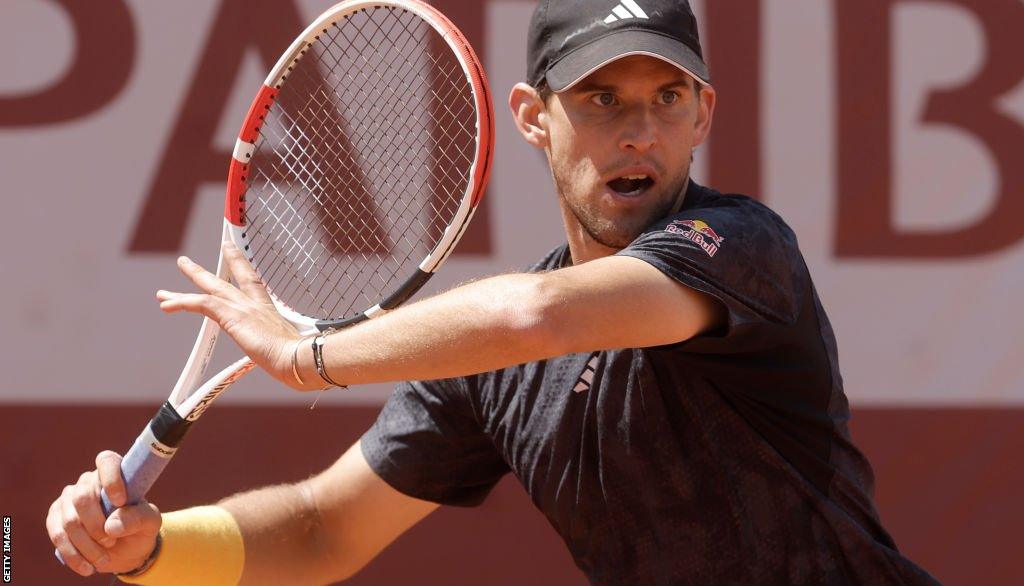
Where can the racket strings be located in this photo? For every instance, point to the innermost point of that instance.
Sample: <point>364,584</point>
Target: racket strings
<point>388,118</point>
<point>362,162</point>
<point>362,228</point>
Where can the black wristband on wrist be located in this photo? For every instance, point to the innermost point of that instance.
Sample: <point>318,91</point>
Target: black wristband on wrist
<point>149,561</point>
<point>318,359</point>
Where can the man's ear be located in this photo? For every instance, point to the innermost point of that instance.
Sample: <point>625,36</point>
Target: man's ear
<point>529,113</point>
<point>705,113</point>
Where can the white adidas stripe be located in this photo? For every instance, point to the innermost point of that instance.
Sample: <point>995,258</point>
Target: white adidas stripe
<point>621,12</point>
<point>634,8</point>
<point>624,10</point>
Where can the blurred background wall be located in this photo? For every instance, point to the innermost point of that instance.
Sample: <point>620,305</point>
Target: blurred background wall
<point>888,133</point>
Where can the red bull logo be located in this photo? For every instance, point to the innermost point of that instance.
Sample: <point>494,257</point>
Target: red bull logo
<point>698,232</point>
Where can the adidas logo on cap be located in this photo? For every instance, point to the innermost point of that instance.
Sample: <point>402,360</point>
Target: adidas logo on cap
<point>624,10</point>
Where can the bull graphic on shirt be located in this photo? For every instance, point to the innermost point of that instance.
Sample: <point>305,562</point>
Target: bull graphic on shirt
<point>698,232</point>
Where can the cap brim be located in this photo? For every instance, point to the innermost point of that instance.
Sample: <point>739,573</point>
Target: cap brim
<point>573,67</point>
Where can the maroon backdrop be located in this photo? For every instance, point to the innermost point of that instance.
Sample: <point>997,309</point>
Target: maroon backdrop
<point>947,486</point>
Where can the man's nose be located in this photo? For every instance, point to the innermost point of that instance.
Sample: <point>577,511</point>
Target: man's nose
<point>639,133</point>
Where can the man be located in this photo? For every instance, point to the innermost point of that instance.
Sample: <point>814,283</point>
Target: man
<point>665,385</point>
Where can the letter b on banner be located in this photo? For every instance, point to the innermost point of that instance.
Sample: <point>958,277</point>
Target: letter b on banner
<point>865,226</point>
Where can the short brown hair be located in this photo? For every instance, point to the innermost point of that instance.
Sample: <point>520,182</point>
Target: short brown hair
<point>543,90</point>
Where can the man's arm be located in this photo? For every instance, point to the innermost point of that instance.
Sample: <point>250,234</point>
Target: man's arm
<point>612,302</point>
<point>321,530</point>
<point>324,529</point>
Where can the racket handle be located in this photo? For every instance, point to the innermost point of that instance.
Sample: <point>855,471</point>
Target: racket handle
<point>140,468</point>
<point>147,457</point>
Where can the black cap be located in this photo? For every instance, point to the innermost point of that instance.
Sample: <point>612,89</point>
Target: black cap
<point>570,39</point>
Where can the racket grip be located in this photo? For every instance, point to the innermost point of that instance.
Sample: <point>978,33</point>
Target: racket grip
<point>147,457</point>
<point>140,468</point>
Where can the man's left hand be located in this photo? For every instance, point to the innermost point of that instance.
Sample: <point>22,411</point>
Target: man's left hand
<point>246,312</point>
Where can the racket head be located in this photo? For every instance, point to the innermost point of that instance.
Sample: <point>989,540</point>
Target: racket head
<point>361,161</point>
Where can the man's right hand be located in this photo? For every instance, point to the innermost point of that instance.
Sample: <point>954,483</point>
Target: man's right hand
<point>88,542</point>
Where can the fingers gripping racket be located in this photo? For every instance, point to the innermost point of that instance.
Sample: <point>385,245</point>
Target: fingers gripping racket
<point>357,170</point>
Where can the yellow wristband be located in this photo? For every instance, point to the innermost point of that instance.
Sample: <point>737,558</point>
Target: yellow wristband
<point>201,546</point>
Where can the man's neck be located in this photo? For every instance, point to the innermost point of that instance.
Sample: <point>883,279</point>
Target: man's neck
<point>676,207</point>
<point>585,249</point>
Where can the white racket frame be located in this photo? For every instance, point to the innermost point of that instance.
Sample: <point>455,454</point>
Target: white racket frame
<point>188,397</point>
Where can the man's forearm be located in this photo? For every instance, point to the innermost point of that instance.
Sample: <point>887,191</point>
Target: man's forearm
<point>268,536</point>
<point>485,325</point>
<point>283,537</point>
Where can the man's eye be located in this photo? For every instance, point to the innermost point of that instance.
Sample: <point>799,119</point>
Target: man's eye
<point>669,97</point>
<point>603,99</point>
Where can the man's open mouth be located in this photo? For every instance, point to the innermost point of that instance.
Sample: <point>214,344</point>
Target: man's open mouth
<point>631,185</point>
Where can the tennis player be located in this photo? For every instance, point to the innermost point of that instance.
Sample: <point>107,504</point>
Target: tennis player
<point>665,385</point>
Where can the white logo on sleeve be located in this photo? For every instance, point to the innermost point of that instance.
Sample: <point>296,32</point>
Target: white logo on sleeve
<point>587,378</point>
<point>624,10</point>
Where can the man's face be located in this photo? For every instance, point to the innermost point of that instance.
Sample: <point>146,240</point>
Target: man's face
<point>619,146</point>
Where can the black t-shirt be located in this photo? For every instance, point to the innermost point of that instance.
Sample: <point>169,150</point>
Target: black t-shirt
<point>724,459</point>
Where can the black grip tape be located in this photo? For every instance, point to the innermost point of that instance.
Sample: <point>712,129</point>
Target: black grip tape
<point>168,427</point>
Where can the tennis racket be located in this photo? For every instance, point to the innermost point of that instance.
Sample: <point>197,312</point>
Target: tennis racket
<point>357,170</point>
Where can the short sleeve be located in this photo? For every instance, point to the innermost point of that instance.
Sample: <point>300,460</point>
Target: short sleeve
<point>427,444</point>
<point>739,252</point>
